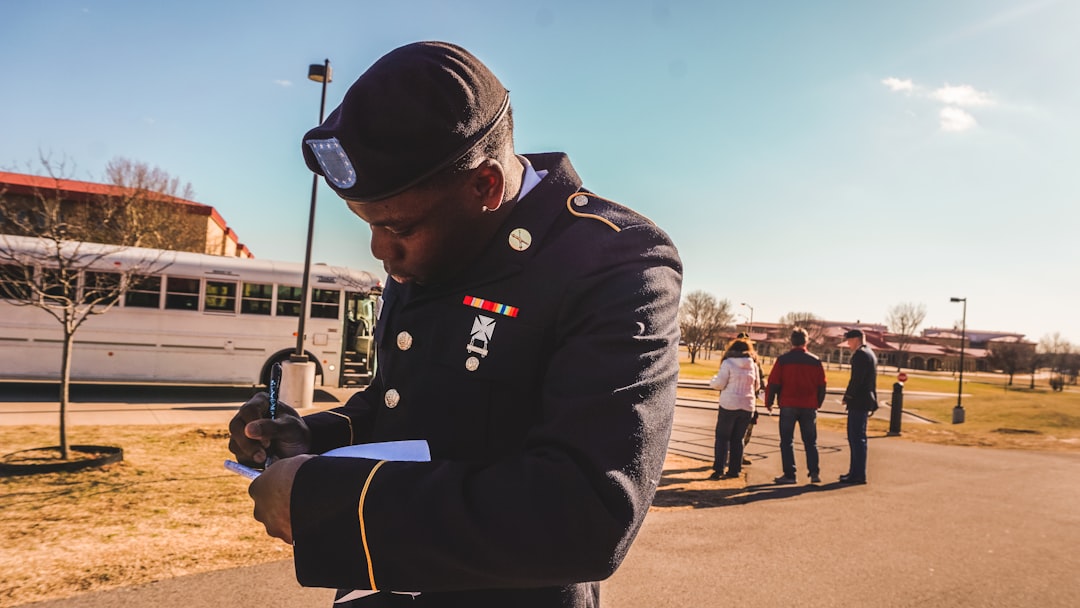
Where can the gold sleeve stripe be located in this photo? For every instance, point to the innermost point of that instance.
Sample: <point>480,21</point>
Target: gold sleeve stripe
<point>570,208</point>
<point>363,531</point>
<point>348,420</point>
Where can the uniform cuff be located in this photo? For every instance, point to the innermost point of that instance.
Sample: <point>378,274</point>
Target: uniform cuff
<point>329,548</point>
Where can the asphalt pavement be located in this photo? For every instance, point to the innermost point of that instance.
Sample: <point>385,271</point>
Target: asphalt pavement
<point>935,526</point>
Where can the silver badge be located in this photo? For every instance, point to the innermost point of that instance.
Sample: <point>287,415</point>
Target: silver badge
<point>334,162</point>
<point>482,329</point>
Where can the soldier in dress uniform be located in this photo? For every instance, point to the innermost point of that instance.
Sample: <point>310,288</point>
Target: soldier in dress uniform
<point>528,332</point>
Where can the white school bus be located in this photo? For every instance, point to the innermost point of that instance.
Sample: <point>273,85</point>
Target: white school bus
<point>198,318</point>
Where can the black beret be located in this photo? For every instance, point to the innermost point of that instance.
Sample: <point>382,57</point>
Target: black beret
<point>414,112</point>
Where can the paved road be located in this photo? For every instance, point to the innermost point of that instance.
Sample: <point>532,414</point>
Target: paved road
<point>936,526</point>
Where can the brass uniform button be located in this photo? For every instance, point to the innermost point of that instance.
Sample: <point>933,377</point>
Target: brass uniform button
<point>392,397</point>
<point>520,239</point>
<point>404,340</point>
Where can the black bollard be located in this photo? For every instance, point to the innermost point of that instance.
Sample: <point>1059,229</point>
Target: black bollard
<point>897,407</point>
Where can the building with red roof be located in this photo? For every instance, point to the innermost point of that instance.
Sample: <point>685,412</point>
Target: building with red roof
<point>213,235</point>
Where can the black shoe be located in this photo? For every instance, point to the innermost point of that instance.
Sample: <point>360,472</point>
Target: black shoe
<point>848,479</point>
<point>815,478</point>
<point>786,480</point>
<point>716,476</point>
<point>730,475</point>
<point>746,461</point>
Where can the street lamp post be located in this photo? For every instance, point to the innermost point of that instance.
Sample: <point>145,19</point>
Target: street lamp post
<point>750,329</point>
<point>958,411</point>
<point>298,373</point>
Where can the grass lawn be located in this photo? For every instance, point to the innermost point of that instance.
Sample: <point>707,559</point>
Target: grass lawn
<point>168,509</point>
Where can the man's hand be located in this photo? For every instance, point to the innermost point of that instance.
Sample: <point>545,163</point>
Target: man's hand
<point>272,491</point>
<point>252,435</point>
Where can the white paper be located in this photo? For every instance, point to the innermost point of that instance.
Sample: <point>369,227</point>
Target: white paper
<point>412,450</point>
<point>364,593</point>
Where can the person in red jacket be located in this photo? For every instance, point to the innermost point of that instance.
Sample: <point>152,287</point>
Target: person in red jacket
<point>797,383</point>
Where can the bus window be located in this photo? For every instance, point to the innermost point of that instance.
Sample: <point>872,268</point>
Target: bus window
<point>101,286</point>
<point>288,301</point>
<point>324,303</point>
<point>181,294</point>
<point>13,281</point>
<point>57,285</point>
<point>143,292</point>
<point>255,299</point>
<point>220,297</point>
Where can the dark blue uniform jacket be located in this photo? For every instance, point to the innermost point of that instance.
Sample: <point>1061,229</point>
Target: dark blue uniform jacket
<point>543,379</point>
<point>861,393</point>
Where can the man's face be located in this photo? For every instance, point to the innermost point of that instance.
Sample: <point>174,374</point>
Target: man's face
<point>853,343</point>
<point>424,234</point>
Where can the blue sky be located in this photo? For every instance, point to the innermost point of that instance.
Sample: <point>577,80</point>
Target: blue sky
<point>833,157</point>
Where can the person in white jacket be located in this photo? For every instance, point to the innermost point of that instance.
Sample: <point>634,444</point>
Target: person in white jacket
<point>738,381</point>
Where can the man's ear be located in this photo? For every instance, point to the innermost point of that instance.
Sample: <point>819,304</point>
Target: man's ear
<point>488,183</point>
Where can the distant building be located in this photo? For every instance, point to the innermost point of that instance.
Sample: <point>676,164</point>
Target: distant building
<point>936,349</point>
<point>211,234</point>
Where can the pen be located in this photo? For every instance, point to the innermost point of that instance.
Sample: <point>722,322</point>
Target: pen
<point>275,386</point>
<point>240,469</point>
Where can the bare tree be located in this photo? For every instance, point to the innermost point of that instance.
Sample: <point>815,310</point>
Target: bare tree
<point>904,320</point>
<point>1036,361</point>
<point>1056,352</point>
<point>1072,366</point>
<point>701,317</point>
<point>151,209</point>
<point>812,323</point>
<point>1010,357</point>
<point>51,258</point>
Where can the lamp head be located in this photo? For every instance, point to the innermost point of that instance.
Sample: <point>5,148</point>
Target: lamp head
<point>320,72</point>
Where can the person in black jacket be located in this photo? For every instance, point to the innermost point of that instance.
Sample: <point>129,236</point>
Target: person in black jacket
<point>860,400</point>
<point>528,333</point>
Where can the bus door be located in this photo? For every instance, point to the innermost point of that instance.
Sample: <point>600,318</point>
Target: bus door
<point>358,356</point>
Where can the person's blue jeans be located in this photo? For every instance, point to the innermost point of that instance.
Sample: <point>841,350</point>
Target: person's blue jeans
<point>856,438</point>
<point>807,419</point>
<point>728,446</point>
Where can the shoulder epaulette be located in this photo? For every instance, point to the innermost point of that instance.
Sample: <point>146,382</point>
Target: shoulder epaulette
<point>608,212</point>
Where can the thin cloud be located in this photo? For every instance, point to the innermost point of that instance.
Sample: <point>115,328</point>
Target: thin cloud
<point>283,83</point>
<point>962,95</point>
<point>952,118</point>
<point>955,120</point>
<point>897,85</point>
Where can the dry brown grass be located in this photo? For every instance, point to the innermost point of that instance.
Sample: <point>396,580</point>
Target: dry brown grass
<point>167,510</point>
